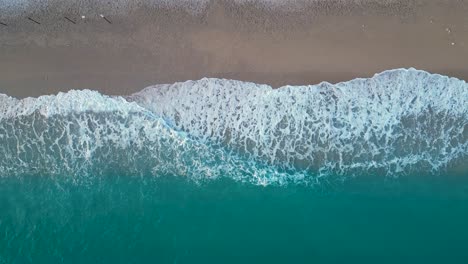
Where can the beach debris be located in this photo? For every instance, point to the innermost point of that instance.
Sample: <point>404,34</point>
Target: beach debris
<point>453,43</point>
<point>70,20</point>
<point>3,24</point>
<point>448,30</point>
<point>105,18</point>
<point>34,21</point>
<point>431,21</point>
<point>83,17</point>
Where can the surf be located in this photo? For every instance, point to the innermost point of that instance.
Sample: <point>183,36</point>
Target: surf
<point>396,123</point>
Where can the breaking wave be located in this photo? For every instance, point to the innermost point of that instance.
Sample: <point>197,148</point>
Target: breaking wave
<point>395,123</point>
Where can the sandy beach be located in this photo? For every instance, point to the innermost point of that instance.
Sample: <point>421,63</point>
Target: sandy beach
<point>226,169</point>
<point>305,43</point>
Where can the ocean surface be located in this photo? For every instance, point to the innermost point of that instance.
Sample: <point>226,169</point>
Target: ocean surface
<point>215,171</point>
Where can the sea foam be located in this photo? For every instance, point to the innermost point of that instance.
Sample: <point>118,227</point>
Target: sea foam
<point>395,123</point>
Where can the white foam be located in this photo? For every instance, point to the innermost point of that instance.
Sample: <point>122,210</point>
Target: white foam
<point>65,103</point>
<point>398,120</point>
<point>84,133</point>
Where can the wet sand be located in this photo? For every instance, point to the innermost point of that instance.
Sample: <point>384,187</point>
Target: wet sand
<point>277,46</point>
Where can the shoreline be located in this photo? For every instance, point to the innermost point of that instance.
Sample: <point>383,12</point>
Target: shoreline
<point>245,42</point>
<point>317,84</point>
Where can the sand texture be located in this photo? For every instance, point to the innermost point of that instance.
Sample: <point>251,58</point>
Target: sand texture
<point>305,43</point>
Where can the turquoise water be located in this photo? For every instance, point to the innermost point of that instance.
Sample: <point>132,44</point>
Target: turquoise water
<point>172,220</point>
<point>213,171</point>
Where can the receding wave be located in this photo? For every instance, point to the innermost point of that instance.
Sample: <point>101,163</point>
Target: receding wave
<point>84,133</point>
<point>398,122</point>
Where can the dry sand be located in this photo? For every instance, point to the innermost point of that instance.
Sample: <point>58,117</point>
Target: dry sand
<point>277,46</point>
